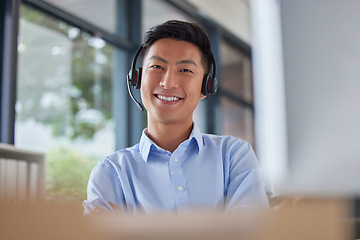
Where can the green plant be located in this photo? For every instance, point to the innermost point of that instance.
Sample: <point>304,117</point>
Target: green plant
<point>67,174</point>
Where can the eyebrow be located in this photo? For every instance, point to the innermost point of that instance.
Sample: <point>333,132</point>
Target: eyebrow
<point>187,62</point>
<point>159,58</point>
<point>177,63</point>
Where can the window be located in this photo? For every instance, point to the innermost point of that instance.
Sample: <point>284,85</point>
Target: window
<point>236,72</point>
<point>157,11</point>
<point>99,13</point>
<point>64,100</point>
<point>237,99</point>
<point>237,120</point>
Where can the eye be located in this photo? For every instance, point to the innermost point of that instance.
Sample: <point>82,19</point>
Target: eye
<point>157,67</point>
<point>186,70</point>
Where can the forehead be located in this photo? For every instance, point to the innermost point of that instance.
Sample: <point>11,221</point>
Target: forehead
<point>171,49</point>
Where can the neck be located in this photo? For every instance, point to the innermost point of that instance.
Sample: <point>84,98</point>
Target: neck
<point>169,136</point>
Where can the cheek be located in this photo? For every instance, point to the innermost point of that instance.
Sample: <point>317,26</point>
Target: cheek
<point>145,84</point>
<point>148,81</point>
<point>196,90</point>
<point>146,91</point>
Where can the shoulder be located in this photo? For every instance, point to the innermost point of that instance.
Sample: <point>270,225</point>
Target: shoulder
<point>227,142</point>
<point>233,149</point>
<point>117,160</point>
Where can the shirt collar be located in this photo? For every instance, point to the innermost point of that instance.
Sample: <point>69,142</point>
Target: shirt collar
<point>146,144</point>
<point>197,136</point>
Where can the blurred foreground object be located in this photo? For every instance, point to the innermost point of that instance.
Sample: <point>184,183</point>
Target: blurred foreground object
<point>295,219</point>
<point>301,219</point>
<point>42,222</point>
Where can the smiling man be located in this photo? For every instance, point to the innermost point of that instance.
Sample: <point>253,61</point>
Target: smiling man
<point>175,167</point>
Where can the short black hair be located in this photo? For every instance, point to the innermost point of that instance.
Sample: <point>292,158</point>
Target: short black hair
<point>182,31</point>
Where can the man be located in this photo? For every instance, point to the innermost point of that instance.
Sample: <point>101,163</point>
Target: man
<point>175,167</point>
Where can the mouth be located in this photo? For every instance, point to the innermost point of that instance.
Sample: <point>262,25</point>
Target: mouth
<point>167,98</point>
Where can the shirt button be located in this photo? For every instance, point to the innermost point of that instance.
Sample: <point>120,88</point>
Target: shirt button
<point>180,188</point>
<point>176,160</point>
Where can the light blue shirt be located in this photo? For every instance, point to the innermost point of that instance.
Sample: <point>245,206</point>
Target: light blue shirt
<point>206,171</point>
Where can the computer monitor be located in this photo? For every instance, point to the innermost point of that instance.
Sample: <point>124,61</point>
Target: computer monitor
<point>306,58</point>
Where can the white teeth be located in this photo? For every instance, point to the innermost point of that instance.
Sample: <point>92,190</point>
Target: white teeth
<point>168,99</point>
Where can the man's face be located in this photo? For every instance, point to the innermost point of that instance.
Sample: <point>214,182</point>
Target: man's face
<point>171,81</point>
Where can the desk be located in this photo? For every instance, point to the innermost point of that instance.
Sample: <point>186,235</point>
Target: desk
<point>321,220</point>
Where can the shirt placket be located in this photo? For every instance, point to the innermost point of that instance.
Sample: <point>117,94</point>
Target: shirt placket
<point>180,190</point>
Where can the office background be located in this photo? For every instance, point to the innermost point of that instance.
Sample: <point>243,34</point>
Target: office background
<point>63,78</point>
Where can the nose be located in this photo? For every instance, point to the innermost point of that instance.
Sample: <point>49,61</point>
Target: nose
<point>170,80</point>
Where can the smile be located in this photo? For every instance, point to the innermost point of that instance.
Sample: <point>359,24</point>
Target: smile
<point>167,99</point>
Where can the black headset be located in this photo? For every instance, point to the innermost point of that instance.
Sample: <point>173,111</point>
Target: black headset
<point>209,84</point>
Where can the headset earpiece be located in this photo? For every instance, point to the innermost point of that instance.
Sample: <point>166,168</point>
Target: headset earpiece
<point>134,77</point>
<point>209,85</point>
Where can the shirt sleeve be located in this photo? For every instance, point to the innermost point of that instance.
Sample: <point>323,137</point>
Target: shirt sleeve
<point>246,189</point>
<point>104,186</point>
